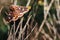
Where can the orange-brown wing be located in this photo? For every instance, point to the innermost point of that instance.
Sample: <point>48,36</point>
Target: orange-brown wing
<point>16,12</point>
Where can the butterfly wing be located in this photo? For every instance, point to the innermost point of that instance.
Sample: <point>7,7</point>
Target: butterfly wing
<point>16,12</point>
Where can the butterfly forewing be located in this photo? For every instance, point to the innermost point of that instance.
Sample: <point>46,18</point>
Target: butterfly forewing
<point>16,12</point>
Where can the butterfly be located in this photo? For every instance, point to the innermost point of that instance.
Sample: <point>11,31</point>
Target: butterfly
<point>16,12</point>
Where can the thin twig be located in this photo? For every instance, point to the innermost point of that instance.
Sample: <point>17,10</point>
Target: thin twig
<point>25,25</point>
<point>46,13</point>
<point>46,35</point>
<point>31,32</point>
<point>19,25</point>
<point>15,2</point>
<point>28,3</point>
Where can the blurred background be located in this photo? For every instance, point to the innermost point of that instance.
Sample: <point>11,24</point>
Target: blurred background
<point>41,22</point>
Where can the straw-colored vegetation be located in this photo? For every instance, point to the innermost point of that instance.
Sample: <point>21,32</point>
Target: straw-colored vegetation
<point>41,22</point>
